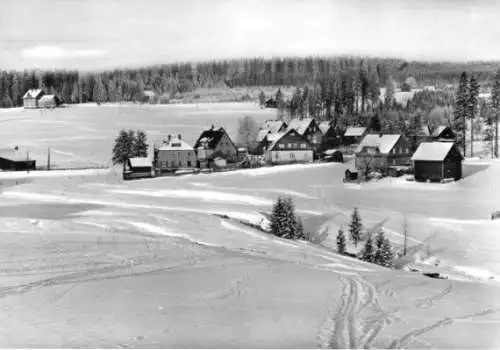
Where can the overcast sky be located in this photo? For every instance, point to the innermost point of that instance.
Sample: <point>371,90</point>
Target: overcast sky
<point>95,34</point>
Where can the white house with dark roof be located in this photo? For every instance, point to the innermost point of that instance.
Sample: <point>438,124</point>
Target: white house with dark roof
<point>288,147</point>
<point>379,151</point>
<point>175,153</point>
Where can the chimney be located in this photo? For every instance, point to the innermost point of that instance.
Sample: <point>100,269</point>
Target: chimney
<point>179,136</point>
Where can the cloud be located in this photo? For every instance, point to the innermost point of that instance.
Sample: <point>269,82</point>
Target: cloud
<point>54,52</point>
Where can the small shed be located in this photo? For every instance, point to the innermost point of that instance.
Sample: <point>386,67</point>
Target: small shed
<point>48,101</point>
<point>354,135</point>
<point>333,155</point>
<point>138,167</point>
<point>437,161</point>
<point>15,160</point>
<point>148,96</point>
<point>32,97</point>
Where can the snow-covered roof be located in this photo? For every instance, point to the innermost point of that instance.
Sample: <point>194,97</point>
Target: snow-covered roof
<point>140,162</point>
<point>384,143</point>
<point>262,134</point>
<point>426,131</point>
<point>47,98</point>
<point>300,125</point>
<point>355,131</point>
<point>32,93</point>
<point>176,144</point>
<point>148,93</point>
<point>439,130</point>
<point>13,154</point>
<point>273,125</point>
<point>433,151</point>
<point>324,127</point>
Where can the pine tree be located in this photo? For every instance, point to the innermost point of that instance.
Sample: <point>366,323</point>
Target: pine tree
<point>277,217</point>
<point>99,92</point>
<point>341,241</point>
<point>386,253</point>
<point>140,144</point>
<point>368,253</point>
<point>460,113</point>
<point>283,220</point>
<point>355,227</point>
<point>299,230</point>
<point>379,242</point>
<point>495,106</point>
<point>472,109</point>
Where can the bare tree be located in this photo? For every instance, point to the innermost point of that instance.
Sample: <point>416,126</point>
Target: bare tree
<point>247,131</point>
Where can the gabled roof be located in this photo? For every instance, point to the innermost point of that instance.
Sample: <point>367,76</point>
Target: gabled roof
<point>324,127</point>
<point>212,136</point>
<point>426,130</point>
<point>32,93</point>
<point>384,143</point>
<point>46,98</point>
<point>273,125</point>
<point>176,144</point>
<point>13,154</point>
<point>300,125</point>
<point>355,131</point>
<point>276,138</point>
<point>433,151</point>
<point>439,130</point>
<point>140,162</point>
<point>262,134</point>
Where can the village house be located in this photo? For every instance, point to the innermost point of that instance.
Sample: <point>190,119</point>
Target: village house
<point>271,103</point>
<point>437,161</point>
<point>443,133</point>
<point>13,159</point>
<point>174,154</point>
<point>354,135</point>
<point>216,143</point>
<point>331,138</point>
<point>138,167</point>
<point>288,147</point>
<point>379,152</point>
<point>308,128</point>
<point>148,96</point>
<point>32,97</point>
<point>48,101</point>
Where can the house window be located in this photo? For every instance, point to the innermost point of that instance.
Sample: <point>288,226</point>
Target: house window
<point>289,145</point>
<point>281,146</point>
<point>302,145</point>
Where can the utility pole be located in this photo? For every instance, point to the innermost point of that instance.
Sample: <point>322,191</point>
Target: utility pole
<point>48,159</point>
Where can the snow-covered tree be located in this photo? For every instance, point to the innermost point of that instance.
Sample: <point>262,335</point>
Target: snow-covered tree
<point>283,220</point>
<point>368,253</point>
<point>341,241</point>
<point>140,144</point>
<point>355,227</point>
<point>384,255</point>
<point>124,146</point>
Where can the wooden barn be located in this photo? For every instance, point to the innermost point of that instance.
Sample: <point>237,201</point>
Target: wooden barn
<point>174,154</point>
<point>381,151</point>
<point>216,143</point>
<point>32,97</point>
<point>138,167</point>
<point>49,101</point>
<point>437,161</point>
<point>289,147</point>
<point>15,160</point>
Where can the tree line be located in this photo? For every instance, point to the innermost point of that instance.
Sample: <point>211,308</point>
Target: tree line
<point>356,77</point>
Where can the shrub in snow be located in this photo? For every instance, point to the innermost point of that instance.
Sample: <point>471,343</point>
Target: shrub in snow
<point>341,241</point>
<point>355,227</point>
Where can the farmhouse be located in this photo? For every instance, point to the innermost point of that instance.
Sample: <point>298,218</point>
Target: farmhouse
<point>330,136</point>
<point>354,135</point>
<point>32,97</point>
<point>308,128</point>
<point>15,160</point>
<point>137,167</point>
<point>289,147</point>
<point>379,152</point>
<point>436,161</point>
<point>216,143</point>
<point>175,153</point>
<point>443,133</point>
<point>48,101</point>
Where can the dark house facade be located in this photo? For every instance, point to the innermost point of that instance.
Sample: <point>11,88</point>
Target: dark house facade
<point>331,136</point>
<point>138,167</point>
<point>308,128</point>
<point>216,143</point>
<point>444,133</point>
<point>437,161</point>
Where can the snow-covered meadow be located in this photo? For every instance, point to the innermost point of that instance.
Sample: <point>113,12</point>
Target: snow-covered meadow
<point>153,262</point>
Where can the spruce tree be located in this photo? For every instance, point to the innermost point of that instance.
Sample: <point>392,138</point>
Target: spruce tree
<point>461,109</point>
<point>386,253</point>
<point>355,227</point>
<point>283,220</point>
<point>379,242</point>
<point>341,242</point>
<point>472,109</point>
<point>123,147</point>
<point>299,229</point>
<point>277,217</point>
<point>368,253</point>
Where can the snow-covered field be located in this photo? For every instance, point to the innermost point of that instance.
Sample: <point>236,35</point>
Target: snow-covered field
<point>91,261</point>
